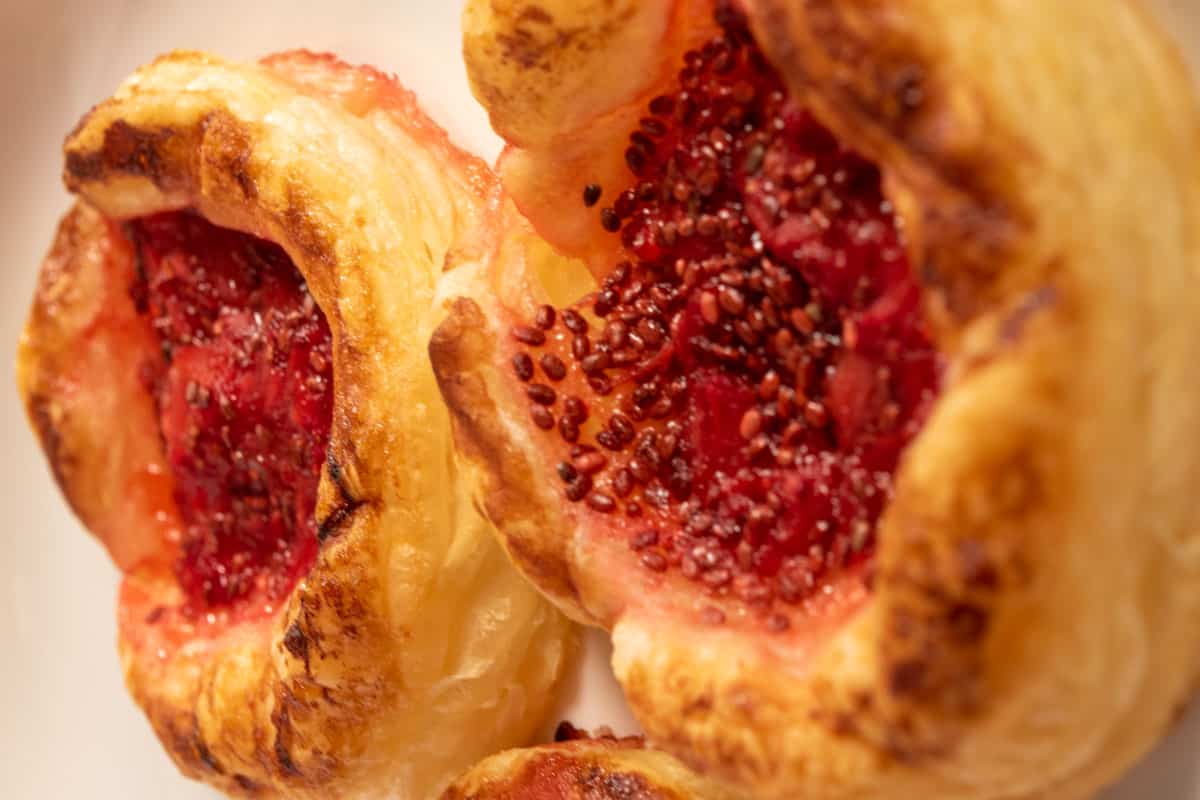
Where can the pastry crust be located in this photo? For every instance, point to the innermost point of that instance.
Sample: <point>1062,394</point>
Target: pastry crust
<point>1035,616</point>
<point>583,769</point>
<point>411,649</point>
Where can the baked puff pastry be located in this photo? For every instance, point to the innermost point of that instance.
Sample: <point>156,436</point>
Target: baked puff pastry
<point>866,431</point>
<point>603,768</point>
<point>226,365</point>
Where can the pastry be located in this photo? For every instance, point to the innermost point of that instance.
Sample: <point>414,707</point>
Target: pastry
<point>844,372</point>
<point>579,767</point>
<point>226,366</point>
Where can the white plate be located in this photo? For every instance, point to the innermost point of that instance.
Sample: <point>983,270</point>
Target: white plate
<point>68,730</point>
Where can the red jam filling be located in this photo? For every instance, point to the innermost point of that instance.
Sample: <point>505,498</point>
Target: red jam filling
<point>244,397</point>
<point>742,388</point>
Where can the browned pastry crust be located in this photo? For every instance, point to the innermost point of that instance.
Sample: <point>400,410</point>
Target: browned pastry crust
<point>411,649</point>
<point>1035,616</point>
<point>604,768</point>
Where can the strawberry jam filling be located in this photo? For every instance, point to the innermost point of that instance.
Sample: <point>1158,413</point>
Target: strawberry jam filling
<point>244,396</point>
<point>741,389</point>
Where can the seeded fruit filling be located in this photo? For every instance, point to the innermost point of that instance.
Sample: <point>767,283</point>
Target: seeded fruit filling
<point>741,388</point>
<point>244,398</point>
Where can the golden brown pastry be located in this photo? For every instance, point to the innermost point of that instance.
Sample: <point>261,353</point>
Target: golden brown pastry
<point>601,768</point>
<point>226,365</point>
<point>870,439</point>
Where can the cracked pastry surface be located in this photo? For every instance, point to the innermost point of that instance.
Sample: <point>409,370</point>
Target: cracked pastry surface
<point>226,365</point>
<point>850,395</point>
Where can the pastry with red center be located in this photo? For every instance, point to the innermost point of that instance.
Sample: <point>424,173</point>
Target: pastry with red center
<point>226,365</point>
<point>841,371</point>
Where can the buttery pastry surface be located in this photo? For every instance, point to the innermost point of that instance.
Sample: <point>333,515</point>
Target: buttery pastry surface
<point>583,769</point>
<point>1031,625</point>
<point>411,648</point>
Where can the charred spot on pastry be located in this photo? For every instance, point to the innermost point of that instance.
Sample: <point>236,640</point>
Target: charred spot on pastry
<point>228,145</point>
<point>337,519</point>
<point>58,455</point>
<point>244,402</point>
<point>337,475</point>
<point>567,732</point>
<point>284,758</point>
<point>296,642</point>
<point>202,752</point>
<point>126,149</point>
<point>283,735</point>
<point>246,784</point>
<point>740,390</point>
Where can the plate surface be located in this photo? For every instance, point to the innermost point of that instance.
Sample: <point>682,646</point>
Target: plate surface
<point>68,730</point>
